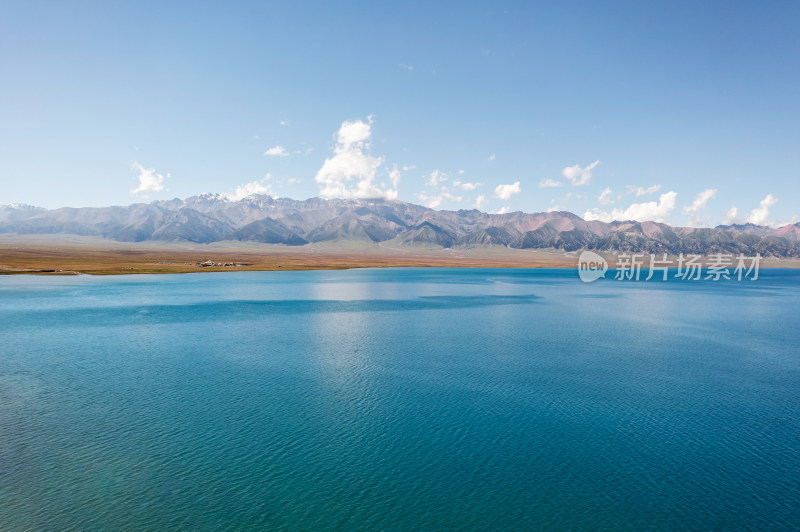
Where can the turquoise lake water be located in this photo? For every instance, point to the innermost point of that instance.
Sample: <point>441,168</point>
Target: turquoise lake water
<point>399,399</point>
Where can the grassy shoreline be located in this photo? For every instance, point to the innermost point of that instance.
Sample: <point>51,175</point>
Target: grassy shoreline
<point>84,256</point>
<point>70,259</point>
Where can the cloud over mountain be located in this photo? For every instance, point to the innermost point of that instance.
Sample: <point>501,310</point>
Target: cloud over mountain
<point>579,176</point>
<point>760,214</point>
<point>352,170</point>
<point>651,210</point>
<point>505,192</point>
<point>149,180</point>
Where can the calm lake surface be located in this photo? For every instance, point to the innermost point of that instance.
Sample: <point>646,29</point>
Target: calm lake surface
<point>408,399</point>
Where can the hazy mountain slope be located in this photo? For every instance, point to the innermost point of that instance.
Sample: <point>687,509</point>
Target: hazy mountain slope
<point>260,218</point>
<point>267,231</point>
<point>425,234</point>
<point>491,236</point>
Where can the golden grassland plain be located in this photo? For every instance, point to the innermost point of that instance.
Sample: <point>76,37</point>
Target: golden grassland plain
<point>80,255</point>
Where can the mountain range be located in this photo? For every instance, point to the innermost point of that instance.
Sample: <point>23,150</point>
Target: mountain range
<point>260,218</point>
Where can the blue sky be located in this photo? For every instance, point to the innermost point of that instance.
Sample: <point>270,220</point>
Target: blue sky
<point>678,112</point>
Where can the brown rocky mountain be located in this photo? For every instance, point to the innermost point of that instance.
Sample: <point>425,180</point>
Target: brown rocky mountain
<point>257,218</point>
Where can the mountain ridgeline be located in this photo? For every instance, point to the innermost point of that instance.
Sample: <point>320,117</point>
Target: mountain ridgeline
<point>258,218</point>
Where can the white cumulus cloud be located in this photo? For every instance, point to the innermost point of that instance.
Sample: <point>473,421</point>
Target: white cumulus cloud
<point>550,183</point>
<point>641,212</point>
<point>505,192</point>
<point>479,201</point>
<point>149,180</point>
<point>492,157</point>
<point>641,191</point>
<point>433,201</point>
<point>435,178</point>
<point>730,216</point>
<point>466,185</point>
<point>351,172</point>
<point>394,177</point>
<point>277,151</point>
<point>700,200</point>
<point>248,189</point>
<point>760,214</point>
<point>579,176</point>
<point>605,197</point>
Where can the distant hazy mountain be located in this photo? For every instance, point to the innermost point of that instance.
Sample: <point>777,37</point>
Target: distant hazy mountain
<point>214,218</point>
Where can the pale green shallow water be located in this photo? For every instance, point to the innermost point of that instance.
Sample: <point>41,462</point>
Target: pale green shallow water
<point>413,399</point>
